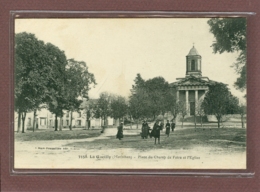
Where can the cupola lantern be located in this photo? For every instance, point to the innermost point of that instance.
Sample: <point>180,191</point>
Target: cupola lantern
<point>193,63</point>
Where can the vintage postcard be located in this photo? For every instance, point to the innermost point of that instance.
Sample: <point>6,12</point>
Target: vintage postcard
<point>130,93</point>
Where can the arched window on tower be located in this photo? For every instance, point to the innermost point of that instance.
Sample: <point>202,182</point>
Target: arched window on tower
<point>193,65</point>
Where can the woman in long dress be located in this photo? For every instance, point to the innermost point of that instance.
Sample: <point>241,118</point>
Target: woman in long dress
<point>168,125</point>
<point>173,125</point>
<point>145,130</point>
<point>119,134</point>
<point>156,132</point>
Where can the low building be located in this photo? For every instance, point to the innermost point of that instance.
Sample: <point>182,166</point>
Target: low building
<point>78,119</point>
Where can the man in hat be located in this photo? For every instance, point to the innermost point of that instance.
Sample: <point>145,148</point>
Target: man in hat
<point>119,134</point>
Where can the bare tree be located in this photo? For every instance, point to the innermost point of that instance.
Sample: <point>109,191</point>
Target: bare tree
<point>199,111</point>
<point>183,110</point>
<point>89,111</point>
<point>242,112</point>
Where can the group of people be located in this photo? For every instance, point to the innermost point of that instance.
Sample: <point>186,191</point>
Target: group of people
<point>156,131</point>
<point>148,132</point>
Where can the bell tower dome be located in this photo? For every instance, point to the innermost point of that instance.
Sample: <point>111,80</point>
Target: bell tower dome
<point>193,63</point>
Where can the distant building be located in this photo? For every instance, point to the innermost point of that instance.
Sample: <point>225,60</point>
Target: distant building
<point>191,88</point>
<point>46,120</point>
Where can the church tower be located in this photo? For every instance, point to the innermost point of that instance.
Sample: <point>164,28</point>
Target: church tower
<point>193,63</point>
<point>192,88</point>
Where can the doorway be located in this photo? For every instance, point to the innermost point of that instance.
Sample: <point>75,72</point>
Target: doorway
<point>192,108</point>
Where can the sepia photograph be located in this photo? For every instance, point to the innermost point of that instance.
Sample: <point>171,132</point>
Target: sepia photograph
<point>130,93</point>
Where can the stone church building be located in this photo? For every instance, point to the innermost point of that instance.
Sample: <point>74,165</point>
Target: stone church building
<point>192,88</point>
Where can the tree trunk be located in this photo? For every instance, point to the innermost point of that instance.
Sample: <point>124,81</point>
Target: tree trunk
<point>71,120</point>
<point>218,122</point>
<point>87,119</point>
<point>201,121</point>
<point>61,123</point>
<point>56,122</point>
<point>34,116</point>
<point>19,121</point>
<point>195,121</point>
<point>242,120</point>
<point>23,119</point>
<point>47,121</point>
<point>219,119</point>
<point>174,118</point>
<point>182,122</point>
<point>130,122</point>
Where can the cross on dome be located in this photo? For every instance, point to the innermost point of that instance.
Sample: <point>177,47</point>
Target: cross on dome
<point>193,51</point>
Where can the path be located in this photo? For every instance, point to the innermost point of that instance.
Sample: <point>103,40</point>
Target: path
<point>56,154</point>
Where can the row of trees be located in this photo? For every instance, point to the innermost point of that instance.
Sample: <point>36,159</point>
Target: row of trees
<point>108,104</point>
<point>148,100</point>
<point>44,77</point>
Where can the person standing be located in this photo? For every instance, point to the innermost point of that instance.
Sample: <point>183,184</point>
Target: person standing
<point>156,132</point>
<point>145,130</point>
<point>173,125</point>
<point>167,128</point>
<point>119,134</point>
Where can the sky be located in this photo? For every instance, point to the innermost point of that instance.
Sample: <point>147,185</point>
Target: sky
<point>115,50</point>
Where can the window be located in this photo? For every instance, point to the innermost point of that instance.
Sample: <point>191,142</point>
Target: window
<point>67,122</point>
<point>67,114</point>
<point>29,121</point>
<point>193,65</point>
<point>79,122</point>
<point>79,114</point>
<point>192,108</point>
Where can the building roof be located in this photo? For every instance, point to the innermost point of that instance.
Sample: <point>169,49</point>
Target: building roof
<point>192,80</point>
<point>193,51</point>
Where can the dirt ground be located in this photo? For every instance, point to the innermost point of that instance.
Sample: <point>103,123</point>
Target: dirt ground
<point>186,148</point>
